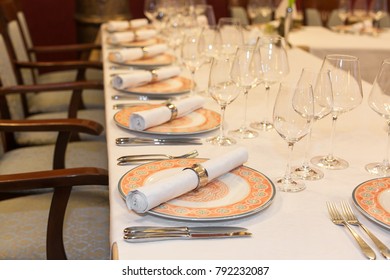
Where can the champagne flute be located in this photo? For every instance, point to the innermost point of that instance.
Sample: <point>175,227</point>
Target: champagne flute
<point>379,101</point>
<point>245,73</point>
<point>347,95</point>
<point>274,67</point>
<point>323,99</point>
<point>191,56</point>
<point>224,91</point>
<point>292,116</point>
<point>231,34</point>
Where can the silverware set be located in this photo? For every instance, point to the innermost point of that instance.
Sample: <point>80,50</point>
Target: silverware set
<point>137,141</point>
<point>348,218</point>
<point>138,159</point>
<point>145,234</point>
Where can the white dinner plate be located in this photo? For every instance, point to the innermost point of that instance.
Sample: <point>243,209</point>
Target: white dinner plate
<point>169,87</point>
<point>372,198</point>
<point>239,193</point>
<point>198,121</point>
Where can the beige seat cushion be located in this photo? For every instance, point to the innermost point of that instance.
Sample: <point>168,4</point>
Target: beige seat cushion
<point>86,229</point>
<point>42,138</point>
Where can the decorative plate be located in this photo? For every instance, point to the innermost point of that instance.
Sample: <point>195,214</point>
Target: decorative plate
<point>373,199</point>
<point>199,121</point>
<point>168,87</point>
<point>239,193</point>
<point>147,63</point>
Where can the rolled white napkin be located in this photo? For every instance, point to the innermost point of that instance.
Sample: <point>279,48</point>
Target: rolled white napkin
<point>153,194</point>
<point>137,53</point>
<point>121,25</point>
<point>156,116</point>
<point>141,77</point>
<point>130,36</point>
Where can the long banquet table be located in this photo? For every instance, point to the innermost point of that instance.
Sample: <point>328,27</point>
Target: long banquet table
<point>296,226</point>
<point>370,49</point>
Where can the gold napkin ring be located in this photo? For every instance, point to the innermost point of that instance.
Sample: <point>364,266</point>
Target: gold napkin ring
<point>201,172</point>
<point>154,76</point>
<point>173,109</point>
<point>145,53</point>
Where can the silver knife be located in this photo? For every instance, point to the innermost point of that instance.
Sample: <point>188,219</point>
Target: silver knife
<point>215,229</point>
<point>124,141</point>
<point>139,97</point>
<point>191,233</point>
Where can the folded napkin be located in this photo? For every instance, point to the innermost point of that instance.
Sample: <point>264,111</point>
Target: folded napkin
<point>120,25</point>
<point>141,77</point>
<point>137,53</point>
<point>156,116</point>
<point>155,193</point>
<point>131,36</point>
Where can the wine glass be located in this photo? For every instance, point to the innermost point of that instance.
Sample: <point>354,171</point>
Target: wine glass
<point>231,34</point>
<point>292,115</point>
<point>377,10</point>
<point>379,101</point>
<point>274,67</point>
<point>344,10</point>
<point>347,95</point>
<point>191,56</point>
<point>151,11</point>
<point>245,73</point>
<point>224,91</point>
<point>323,100</point>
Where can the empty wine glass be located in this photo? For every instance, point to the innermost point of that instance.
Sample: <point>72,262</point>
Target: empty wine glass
<point>377,10</point>
<point>292,115</point>
<point>231,34</point>
<point>274,67</point>
<point>379,101</point>
<point>245,73</point>
<point>323,99</point>
<point>347,95</point>
<point>224,91</point>
<point>192,58</point>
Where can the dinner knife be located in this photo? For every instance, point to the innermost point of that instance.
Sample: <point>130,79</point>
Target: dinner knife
<point>139,97</point>
<point>207,229</point>
<point>124,141</point>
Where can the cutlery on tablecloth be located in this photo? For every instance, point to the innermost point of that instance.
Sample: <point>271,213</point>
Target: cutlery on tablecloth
<point>136,141</point>
<point>128,105</point>
<point>338,219</point>
<point>142,234</point>
<point>136,159</point>
<point>139,97</point>
<point>351,219</point>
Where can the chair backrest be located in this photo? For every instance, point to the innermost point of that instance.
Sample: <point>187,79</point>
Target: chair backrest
<point>312,17</point>
<point>240,13</point>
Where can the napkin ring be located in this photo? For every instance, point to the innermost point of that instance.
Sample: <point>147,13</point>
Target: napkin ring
<point>154,76</point>
<point>173,110</point>
<point>201,172</point>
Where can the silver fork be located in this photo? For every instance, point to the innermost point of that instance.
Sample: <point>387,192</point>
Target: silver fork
<point>337,219</point>
<point>353,220</point>
<point>136,159</point>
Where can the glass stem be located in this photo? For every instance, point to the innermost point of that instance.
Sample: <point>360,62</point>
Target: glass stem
<point>193,89</point>
<point>222,127</point>
<point>267,92</point>
<point>287,174</point>
<point>305,164</point>
<point>243,126</point>
<point>330,155</point>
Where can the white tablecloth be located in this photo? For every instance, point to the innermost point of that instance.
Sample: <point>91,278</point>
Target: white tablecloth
<point>296,226</point>
<point>322,41</point>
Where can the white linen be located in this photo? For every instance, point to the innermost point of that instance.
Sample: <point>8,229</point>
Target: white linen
<point>151,195</point>
<point>141,77</point>
<point>156,116</point>
<point>130,36</point>
<point>138,22</point>
<point>130,54</point>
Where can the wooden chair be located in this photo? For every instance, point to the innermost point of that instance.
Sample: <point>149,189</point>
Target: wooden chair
<point>13,92</point>
<point>15,25</point>
<point>69,178</point>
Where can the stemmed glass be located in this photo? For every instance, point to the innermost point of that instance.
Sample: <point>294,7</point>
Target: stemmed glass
<point>292,116</point>
<point>230,31</point>
<point>191,56</point>
<point>274,67</point>
<point>378,10</point>
<point>344,10</point>
<point>245,73</point>
<point>224,91</point>
<point>347,95</point>
<point>379,101</point>
<point>323,100</point>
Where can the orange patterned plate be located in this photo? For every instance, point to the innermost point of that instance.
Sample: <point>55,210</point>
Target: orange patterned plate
<point>373,199</point>
<point>172,86</point>
<point>147,63</point>
<point>239,193</point>
<point>199,121</point>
